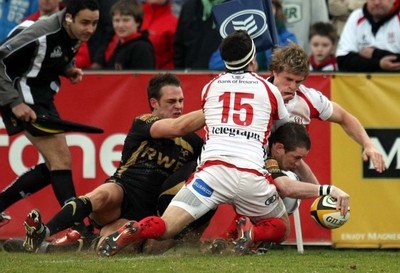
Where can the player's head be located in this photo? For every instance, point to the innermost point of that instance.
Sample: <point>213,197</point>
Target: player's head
<point>165,95</point>
<point>238,51</point>
<point>81,18</point>
<point>289,144</point>
<point>290,66</point>
<point>127,17</point>
<point>322,38</point>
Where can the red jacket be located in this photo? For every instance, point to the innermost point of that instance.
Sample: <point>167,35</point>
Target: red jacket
<point>161,24</point>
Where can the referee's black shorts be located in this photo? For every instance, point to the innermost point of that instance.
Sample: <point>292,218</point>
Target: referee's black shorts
<point>15,126</point>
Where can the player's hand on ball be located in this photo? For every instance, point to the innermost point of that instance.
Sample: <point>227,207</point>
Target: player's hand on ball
<point>325,213</point>
<point>342,200</point>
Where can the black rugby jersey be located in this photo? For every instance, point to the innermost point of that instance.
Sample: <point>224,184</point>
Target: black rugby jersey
<point>147,162</point>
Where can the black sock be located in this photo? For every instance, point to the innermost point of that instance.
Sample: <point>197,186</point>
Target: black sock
<point>72,213</point>
<point>28,183</point>
<point>63,186</point>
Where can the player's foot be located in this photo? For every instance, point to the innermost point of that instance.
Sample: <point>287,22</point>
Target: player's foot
<point>245,230</point>
<point>4,219</point>
<point>35,231</point>
<point>69,237</point>
<point>123,237</point>
<point>261,247</point>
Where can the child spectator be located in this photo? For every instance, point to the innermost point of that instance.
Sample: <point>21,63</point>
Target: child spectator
<point>130,48</point>
<point>323,39</point>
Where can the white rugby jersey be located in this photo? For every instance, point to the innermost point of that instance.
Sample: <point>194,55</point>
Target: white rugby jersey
<point>357,34</point>
<point>309,103</point>
<point>239,110</point>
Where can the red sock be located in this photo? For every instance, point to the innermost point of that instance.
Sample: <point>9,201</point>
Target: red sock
<point>269,230</point>
<point>152,227</point>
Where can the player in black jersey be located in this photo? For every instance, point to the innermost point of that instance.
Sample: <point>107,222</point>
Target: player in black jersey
<point>152,153</point>
<point>31,63</point>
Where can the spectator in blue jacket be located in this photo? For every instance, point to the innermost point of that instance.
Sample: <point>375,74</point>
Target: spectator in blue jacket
<point>12,13</point>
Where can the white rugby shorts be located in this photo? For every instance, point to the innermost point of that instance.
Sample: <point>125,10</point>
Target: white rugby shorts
<point>217,182</point>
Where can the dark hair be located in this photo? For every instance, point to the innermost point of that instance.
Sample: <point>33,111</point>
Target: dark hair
<point>323,29</point>
<point>75,6</point>
<point>158,82</point>
<point>279,14</point>
<point>292,135</point>
<point>235,47</point>
<point>129,8</point>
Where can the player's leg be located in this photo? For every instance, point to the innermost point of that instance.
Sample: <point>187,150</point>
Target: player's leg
<point>57,156</point>
<point>103,203</point>
<point>183,210</point>
<point>266,219</point>
<point>31,181</point>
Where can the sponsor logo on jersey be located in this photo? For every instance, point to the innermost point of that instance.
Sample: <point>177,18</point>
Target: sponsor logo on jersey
<point>202,188</point>
<point>387,142</point>
<point>239,81</point>
<point>56,53</point>
<point>270,200</point>
<point>232,132</point>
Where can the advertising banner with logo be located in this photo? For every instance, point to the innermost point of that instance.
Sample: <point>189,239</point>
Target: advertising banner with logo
<point>375,203</point>
<point>111,101</point>
<point>254,16</point>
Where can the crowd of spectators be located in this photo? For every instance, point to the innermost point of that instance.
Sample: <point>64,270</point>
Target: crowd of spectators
<point>184,36</point>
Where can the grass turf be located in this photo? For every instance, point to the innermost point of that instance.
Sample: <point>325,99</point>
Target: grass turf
<point>191,259</point>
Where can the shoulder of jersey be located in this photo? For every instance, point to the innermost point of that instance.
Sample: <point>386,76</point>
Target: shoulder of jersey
<point>148,118</point>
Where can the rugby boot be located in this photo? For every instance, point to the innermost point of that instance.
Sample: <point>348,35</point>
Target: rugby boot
<point>118,240</point>
<point>245,240</point>
<point>35,231</point>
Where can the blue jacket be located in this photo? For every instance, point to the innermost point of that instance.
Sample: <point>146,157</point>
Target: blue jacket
<point>12,13</point>
<point>263,58</point>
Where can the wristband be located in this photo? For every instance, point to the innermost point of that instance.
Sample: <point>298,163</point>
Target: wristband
<point>324,190</point>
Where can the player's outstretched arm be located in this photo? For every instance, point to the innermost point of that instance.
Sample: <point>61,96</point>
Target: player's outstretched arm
<point>288,187</point>
<point>176,127</point>
<point>352,126</point>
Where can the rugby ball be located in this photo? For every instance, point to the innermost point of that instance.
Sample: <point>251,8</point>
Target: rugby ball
<point>323,211</point>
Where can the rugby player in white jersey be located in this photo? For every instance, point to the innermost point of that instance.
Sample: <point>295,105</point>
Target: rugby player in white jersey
<point>239,108</point>
<point>290,67</point>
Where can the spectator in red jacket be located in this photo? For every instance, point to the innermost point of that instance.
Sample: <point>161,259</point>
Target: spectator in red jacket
<point>161,24</point>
